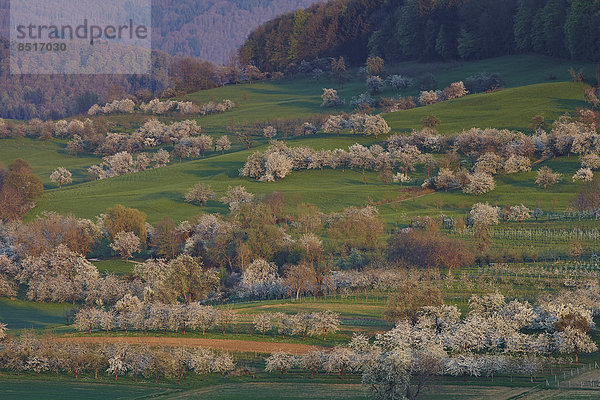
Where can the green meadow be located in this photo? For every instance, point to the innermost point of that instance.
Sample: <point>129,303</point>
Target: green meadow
<point>534,85</point>
<point>160,192</point>
<point>20,314</point>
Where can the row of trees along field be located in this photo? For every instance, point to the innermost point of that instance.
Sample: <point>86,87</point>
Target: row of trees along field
<point>489,151</point>
<point>426,30</point>
<point>494,337</point>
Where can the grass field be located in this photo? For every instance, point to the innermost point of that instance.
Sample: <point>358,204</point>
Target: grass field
<point>20,314</point>
<point>160,192</point>
<point>17,389</point>
<point>114,266</point>
<point>45,156</point>
<point>510,108</point>
<point>534,85</point>
<point>299,98</point>
<point>13,389</point>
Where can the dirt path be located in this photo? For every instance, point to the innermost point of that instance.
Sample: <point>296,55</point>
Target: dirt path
<point>217,344</point>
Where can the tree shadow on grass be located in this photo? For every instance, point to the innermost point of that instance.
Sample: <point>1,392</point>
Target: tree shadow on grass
<point>569,104</point>
<point>171,195</point>
<point>229,168</point>
<point>359,182</point>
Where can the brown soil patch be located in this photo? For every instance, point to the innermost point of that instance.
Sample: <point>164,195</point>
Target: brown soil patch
<point>217,344</point>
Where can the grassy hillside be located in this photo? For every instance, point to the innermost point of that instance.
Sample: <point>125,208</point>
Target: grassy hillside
<point>45,156</point>
<point>510,108</point>
<point>298,98</point>
<point>19,314</point>
<point>160,192</point>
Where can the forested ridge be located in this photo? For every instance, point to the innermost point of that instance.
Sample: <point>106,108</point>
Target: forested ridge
<point>400,30</point>
<point>212,29</point>
<point>208,29</point>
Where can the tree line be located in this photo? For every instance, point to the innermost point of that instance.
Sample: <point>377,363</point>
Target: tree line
<point>131,314</point>
<point>494,337</point>
<point>48,354</point>
<point>426,30</point>
<point>490,151</point>
<point>213,29</point>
